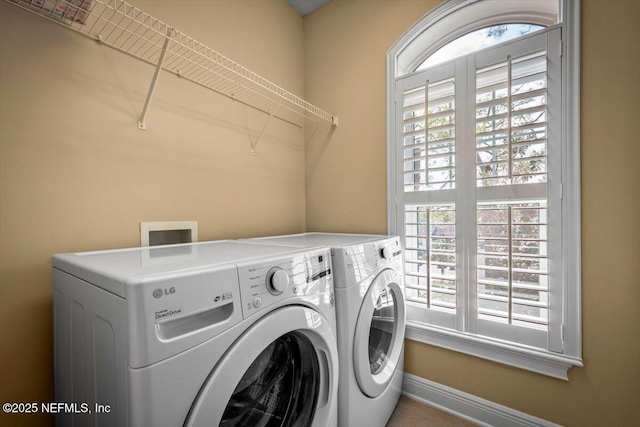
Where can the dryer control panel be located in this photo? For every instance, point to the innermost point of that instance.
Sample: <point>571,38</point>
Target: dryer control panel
<point>356,263</point>
<point>306,275</point>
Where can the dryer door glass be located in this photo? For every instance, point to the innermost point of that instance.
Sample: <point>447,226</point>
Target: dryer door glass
<point>379,333</point>
<point>280,388</point>
<point>383,326</point>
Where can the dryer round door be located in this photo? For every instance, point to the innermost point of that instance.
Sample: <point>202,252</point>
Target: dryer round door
<point>379,333</point>
<point>281,372</point>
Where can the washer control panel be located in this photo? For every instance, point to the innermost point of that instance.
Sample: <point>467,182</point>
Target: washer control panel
<point>268,282</point>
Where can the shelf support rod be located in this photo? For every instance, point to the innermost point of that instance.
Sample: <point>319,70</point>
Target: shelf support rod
<point>253,145</point>
<point>142,125</point>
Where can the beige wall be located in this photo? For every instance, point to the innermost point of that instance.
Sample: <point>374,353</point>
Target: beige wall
<point>76,174</point>
<point>345,48</point>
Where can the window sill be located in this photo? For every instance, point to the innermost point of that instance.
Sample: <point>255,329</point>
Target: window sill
<point>530,359</point>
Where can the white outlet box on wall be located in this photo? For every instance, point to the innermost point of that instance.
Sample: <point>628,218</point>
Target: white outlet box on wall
<point>168,232</point>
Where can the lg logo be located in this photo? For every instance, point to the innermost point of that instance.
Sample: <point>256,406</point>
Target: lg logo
<point>160,292</point>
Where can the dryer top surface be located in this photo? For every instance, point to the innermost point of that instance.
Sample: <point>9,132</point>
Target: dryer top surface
<point>333,240</point>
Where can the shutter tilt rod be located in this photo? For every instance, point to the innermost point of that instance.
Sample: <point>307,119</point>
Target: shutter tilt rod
<point>426,143</point>
<point>141,122</point>
<point>510,153</point>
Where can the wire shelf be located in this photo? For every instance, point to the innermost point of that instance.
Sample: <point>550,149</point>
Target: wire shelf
<point>117,24</point>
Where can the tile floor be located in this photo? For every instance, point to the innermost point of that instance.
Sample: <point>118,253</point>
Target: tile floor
<point>411,413</point>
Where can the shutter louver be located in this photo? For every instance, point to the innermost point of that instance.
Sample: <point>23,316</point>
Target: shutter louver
<point>429,137</point>
<point>512,263</point>
<point>511,122</point>
<point>430,256</point>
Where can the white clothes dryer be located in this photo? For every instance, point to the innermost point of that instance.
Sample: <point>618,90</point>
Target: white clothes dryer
<point>370,310</point>
<point>209,334</point>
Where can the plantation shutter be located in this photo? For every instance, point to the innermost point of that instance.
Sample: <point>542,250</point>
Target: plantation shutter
<point>428,152</point>
<point>516,135</point>
<point>479,192</point>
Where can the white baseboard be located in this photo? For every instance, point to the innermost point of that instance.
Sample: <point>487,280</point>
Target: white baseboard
<point>466,406</point>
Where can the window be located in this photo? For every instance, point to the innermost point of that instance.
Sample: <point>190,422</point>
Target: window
<point>477,40</point>
<point>477,180</point>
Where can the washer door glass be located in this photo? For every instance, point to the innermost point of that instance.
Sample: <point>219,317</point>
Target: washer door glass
<point>383,327</point>
<point>280,388</point>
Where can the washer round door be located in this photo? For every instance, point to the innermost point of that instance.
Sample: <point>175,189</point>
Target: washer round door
<point>280,372</point>
<point>379,333</point>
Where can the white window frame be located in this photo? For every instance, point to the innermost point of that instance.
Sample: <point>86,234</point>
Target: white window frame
<point>446,22</point>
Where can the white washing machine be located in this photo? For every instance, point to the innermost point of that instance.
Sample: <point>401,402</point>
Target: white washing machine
<point>370,310</point>
<point>209,334</point>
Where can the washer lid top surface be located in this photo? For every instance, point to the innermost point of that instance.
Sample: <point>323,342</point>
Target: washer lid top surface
<point>114,269</point>
<point>321,239</point>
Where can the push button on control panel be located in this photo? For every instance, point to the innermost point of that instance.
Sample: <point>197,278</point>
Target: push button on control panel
<point>257,302</point>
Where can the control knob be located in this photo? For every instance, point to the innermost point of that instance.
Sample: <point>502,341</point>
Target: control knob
<point>387,252</point>
<point>277,280</point>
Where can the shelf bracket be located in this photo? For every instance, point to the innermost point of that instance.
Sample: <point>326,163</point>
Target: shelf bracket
<point>255,143</point>
<point>142,125</point>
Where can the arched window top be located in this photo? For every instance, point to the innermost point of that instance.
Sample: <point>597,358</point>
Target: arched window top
<point>477,40</point>
<point>451,124</point>
<point>455,18</point>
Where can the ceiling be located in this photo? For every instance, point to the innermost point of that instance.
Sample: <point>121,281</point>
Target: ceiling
<point>305,7</point>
